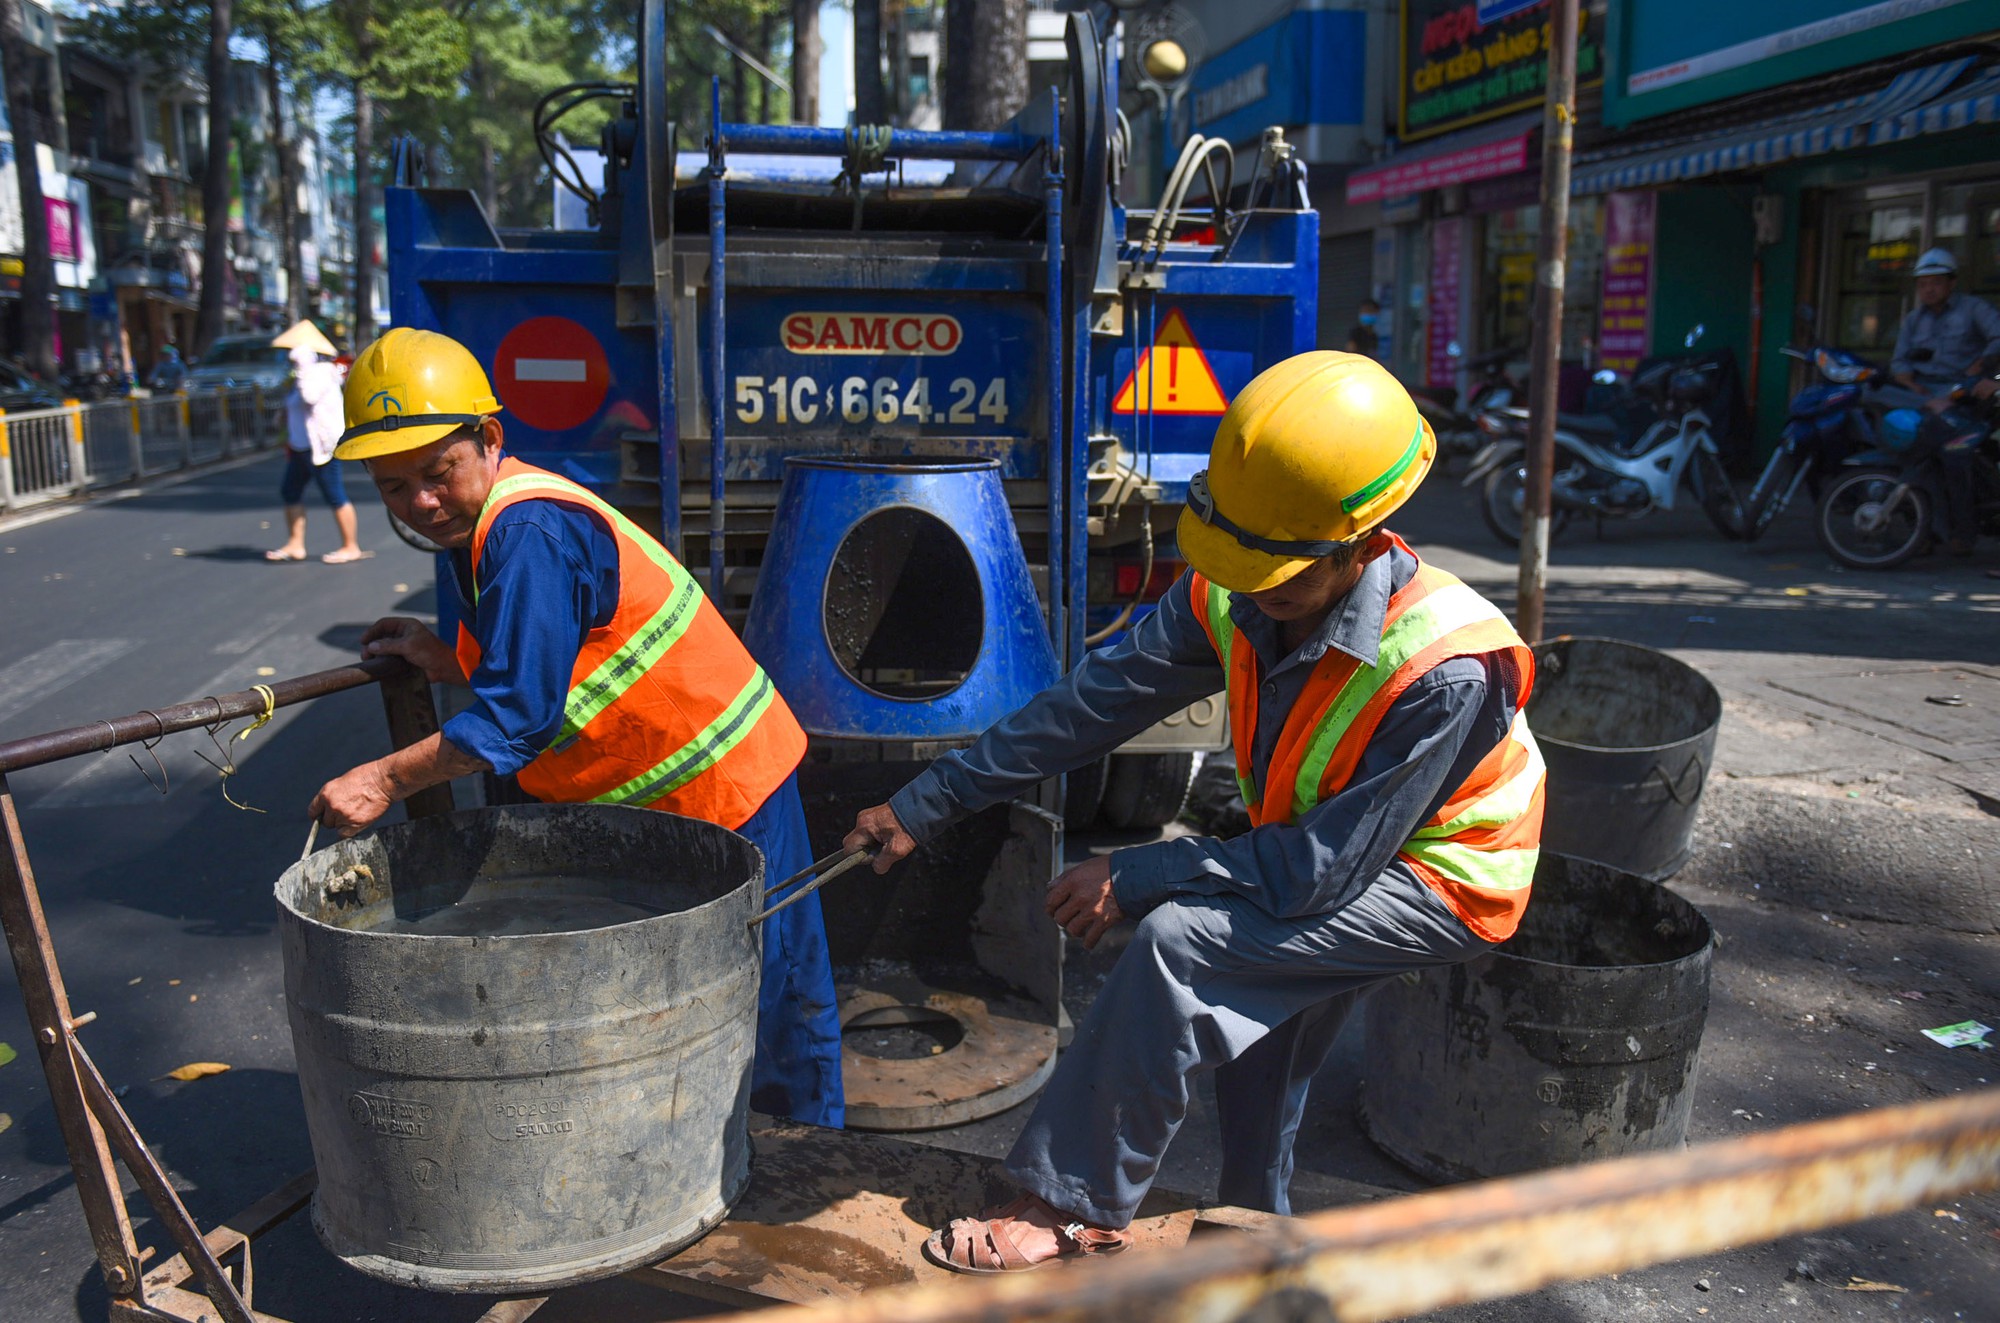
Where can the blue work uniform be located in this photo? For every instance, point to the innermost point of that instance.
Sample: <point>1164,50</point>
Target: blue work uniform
<point>1959,332</point>
<point>1250,952</point>
<point>548,575</point>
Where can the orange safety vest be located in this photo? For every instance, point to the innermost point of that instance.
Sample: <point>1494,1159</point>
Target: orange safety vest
<point>666,708</point>
<point>1478,853</point>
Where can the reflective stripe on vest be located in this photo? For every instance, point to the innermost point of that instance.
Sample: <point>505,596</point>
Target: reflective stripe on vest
<point>1479,852</point>
<point>636,694</point>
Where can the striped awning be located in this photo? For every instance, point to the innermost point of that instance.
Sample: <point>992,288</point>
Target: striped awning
<point>1933,99</point>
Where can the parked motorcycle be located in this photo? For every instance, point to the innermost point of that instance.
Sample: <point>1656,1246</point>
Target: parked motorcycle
<point>1495,385</point>
<point>1887,503</point>
<point>1607,468</point>
<point>1828,420</point>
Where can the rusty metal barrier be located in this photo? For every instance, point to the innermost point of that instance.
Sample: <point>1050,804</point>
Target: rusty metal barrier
<point>94,1125</point>
<point>1499,1238</point>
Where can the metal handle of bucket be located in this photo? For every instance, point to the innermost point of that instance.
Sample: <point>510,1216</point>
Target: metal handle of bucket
<point>840,860</point>
<point>1673,786</point>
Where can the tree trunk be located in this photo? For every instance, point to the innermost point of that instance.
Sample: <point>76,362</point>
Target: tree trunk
<point>288,195</point>
<point>363,330</point>
<point>986,62</point>
<point>806,51</point>
<point>38,278</point>
<point>489,170</point>
<point>766,34</point>
<point>869,107</point>
<point>215,184</point>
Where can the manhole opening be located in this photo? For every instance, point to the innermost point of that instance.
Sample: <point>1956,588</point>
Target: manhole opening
<point>902,1033</point>
<point>904,612</point>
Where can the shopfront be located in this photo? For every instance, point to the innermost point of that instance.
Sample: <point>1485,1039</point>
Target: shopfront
<point>1815,149</point>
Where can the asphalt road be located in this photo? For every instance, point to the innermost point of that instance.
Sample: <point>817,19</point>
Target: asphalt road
<point>1840,856</point>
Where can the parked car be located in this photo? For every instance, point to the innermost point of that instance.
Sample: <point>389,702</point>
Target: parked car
<point>242,360</point>
<point>21,390</point>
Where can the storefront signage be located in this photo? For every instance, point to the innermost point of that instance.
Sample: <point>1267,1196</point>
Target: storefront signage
<point>62,229</point>
<point>1234,93</point>
<point>1673,54</point>
<point>1625,312</point>
<point>1307,70</point>
<point>1506,157</point>
<point>1459,69</point>
<point>1441,329</point>
<point>1492,11</point>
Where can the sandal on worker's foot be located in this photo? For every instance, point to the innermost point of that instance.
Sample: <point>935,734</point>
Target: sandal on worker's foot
<point>985,1245</point>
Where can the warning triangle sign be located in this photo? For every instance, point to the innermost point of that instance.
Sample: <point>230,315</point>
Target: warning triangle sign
<point>1172,377</point>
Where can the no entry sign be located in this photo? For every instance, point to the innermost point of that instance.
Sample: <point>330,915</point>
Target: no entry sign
<point>551,374</point>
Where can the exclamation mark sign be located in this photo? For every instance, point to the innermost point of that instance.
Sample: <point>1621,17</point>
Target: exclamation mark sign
<point>1173,373</point>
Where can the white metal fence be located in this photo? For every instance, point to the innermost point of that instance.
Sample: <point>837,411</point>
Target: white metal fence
<point>50,453</point>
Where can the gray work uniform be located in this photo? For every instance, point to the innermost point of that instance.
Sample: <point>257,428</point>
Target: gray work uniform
<point>1959,332</point>
<point>1249,952</point>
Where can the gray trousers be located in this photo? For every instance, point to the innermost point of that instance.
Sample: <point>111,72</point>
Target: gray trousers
<point>1215,983</point>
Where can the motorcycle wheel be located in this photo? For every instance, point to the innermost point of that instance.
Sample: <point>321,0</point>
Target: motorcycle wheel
<point>1761,506</point>
<point>1503,499</point>
<point>1718,498</point>
<point>1859,532</point>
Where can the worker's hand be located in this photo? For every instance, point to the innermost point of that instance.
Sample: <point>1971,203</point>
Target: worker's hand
<point>412,640</point>
<point>878,827</point>
<point>1908,379</point>
<point>348,803</point>
<point>1081,901</point>
<point>1984,390</point>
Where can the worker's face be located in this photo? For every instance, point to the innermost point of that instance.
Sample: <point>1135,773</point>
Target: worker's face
<point>1933,290</point>
<point>439,490</point>
<point>1312,591</point>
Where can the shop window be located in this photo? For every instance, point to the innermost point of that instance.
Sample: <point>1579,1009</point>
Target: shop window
<point>1508,295</point>
<point>1878,242</point>
<point>1968,223</point>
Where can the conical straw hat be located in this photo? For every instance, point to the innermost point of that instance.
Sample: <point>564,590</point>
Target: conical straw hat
<point>304,335</point>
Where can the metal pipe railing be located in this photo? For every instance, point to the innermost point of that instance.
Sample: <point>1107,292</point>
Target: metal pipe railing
<point>916,145</point>
<point>1500,1238</point>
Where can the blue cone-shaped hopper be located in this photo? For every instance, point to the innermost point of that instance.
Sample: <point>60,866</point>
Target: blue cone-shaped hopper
<point>894,601</point>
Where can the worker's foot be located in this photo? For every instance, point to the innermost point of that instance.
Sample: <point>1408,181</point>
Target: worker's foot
<point>346,556</point>
<point>285,553</point>
<point>1018,1236</point>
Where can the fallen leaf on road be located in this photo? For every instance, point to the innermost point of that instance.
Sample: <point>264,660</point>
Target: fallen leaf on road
<point>267,670</point>
<point>1863,1284</point>
<point>173,983</point>
<point>194,996</point>
<point>7,1053</point>
<point>134,982</point>
<point>180,551</point>
<point>6,1121</point>
<point>402,587</point>
<point>1946,1212</point>
<point>1797,592</point>
<point>195,1070</point>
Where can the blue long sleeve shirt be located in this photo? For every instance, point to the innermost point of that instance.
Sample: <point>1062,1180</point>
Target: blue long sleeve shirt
<point>548,575</point>
<point>1427,744</point>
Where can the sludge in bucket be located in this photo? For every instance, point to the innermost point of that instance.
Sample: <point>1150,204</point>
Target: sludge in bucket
<point>524,1038</point>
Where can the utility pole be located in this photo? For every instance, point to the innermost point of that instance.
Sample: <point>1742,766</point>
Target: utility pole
<point>1545,351</point>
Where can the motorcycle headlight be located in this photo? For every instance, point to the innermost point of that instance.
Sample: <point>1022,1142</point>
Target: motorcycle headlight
<point>1841,373</point>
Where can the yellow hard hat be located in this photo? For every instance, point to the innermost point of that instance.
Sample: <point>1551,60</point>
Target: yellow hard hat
<point>1312,453</point>
<point>408,389</point>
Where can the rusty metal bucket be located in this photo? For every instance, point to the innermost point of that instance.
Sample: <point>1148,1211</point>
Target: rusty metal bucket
<point>524,1037</point>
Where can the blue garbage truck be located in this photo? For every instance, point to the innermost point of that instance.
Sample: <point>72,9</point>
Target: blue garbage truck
<point>920,408</point>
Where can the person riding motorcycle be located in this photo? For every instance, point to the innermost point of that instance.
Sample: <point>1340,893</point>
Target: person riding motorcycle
<point>1945,339</point>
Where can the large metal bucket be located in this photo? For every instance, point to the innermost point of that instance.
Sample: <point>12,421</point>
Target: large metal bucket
<point>537,1109</point>
<point>1576,1040</point>
<point>895,601</point>
<point>1629,736</point>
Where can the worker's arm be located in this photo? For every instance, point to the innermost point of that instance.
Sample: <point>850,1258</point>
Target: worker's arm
<point>1164,663</point>
<point>1986,321</point>
<point>548,575</point>
<point>1430,740</point>
<point>350,802</point>
<point>1900,365</point>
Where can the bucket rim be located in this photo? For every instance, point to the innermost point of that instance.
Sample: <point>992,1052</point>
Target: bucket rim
<point>1707,946</point>
<point>904,465</point>
<point>1707,732</point>
<point>286,908</point>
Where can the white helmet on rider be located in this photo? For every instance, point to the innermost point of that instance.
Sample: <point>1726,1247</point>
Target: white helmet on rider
<point>1937,262</point>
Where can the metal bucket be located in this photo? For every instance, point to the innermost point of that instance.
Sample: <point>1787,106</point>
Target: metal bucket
<point>1576,1040</point>
<point>537,1108</point>
<point>1629,735</point>
<point>895,601</point>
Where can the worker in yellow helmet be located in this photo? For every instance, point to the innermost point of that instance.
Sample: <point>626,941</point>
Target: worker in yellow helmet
<point>1394,792</point>
<point>600,673</point>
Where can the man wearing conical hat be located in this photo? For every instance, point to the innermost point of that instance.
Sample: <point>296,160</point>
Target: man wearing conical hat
<point>600,673</point>
<point>1394,790</point>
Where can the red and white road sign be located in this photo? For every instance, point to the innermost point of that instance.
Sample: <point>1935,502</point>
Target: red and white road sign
<point>551,373</point>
